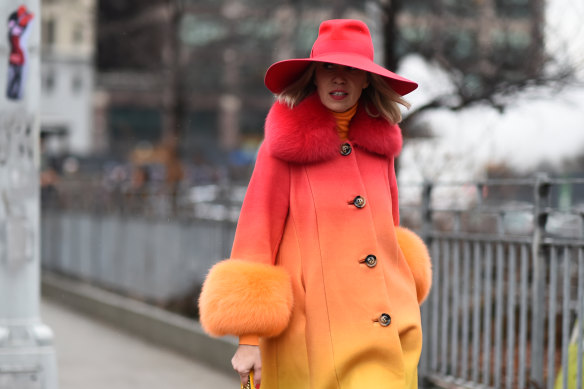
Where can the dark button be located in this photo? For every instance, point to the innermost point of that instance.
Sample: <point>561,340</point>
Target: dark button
<point>359,202</point>
<point>384,320</point>
<point>371,260</point>
<point>346,149</point>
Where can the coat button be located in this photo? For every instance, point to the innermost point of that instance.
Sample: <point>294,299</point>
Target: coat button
<point>371,260</point>
<point>384,320</point>
<point>346,149</point>
<point>359,202</point>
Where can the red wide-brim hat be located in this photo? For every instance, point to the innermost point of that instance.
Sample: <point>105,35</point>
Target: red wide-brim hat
<point>344,42</point>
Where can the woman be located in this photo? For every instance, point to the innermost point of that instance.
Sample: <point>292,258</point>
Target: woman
<point>320,276</point>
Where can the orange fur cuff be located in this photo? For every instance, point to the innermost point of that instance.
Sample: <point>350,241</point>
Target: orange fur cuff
<point>245,298</point>
<point>418,258</point>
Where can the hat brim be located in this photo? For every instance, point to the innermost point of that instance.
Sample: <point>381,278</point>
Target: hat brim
<point>281,74</point>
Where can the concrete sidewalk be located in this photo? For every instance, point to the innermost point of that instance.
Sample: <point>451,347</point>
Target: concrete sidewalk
<point>94,355</point>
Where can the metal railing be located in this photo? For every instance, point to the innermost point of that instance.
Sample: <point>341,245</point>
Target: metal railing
<point>507,304</point>
<point>153,245</point>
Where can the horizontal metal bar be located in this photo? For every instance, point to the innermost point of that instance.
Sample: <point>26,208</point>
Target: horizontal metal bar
<point>450,382</point>
<point>560,242</point>
<point>547,241</point>
<point>497,182</point>
<point>493,182</point>
<point>473,237</point>
<point>488,209</point>
<point>563,181</point>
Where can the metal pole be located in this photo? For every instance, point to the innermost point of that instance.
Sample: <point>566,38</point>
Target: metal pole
<point>541,203</point>
<point>426,211</point>
<point>426,208</point>
<point>27,357</point>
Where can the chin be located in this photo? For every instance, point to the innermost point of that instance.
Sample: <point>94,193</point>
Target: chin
<point>336,106</point>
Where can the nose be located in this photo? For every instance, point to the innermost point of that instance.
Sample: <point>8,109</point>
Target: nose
<point>339,77</point>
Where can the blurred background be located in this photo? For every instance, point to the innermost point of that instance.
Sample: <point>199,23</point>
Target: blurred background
<point>161,96</point>
<point>152,113</point>
<point>171,92</point>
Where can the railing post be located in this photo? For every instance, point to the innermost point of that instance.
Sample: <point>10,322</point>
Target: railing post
<point>225,195</point>
<point>541,198</point>
<point>425,234</point>
<point>426,211</point>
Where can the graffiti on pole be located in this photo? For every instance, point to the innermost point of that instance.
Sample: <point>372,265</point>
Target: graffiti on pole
<point>18,26</point>
<point>18,187</point>
<point>16,138</point>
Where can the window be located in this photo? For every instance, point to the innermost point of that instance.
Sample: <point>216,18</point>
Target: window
<point>415,38</point>
<point>514,8</point>
<point>48,30</point>
<point>201,133</point>
<point>461,45</point>
<point>129,125</point>
<point>76,83</point>
<point>48,84</point>
<point>461,8</point>
<point>511,51</point>
<point>78,33</point>
<point>417,6</point>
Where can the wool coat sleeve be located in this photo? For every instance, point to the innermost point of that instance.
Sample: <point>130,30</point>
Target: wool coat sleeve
<point>264,211</point>
<point>246,295</point>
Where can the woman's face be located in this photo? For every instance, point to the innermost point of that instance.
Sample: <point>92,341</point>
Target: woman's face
<point>339,87</point>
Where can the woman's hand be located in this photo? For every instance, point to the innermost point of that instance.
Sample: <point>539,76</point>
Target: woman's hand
<point>246,359</point>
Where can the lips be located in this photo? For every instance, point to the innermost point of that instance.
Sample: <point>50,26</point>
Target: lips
<point>338,94</point>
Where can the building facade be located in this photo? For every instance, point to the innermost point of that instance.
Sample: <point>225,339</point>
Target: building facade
<point>193,70</point>
<point>488,41</point>
<point>67,76</point>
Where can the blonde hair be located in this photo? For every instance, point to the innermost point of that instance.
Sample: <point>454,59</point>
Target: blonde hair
<point>299,89</point>
<point>384,99</point>
<point>378,93</point>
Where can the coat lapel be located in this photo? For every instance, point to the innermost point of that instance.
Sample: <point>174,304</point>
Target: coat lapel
<point>306,133</point>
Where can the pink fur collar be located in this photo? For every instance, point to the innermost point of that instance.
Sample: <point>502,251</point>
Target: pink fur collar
<point>306,133</point>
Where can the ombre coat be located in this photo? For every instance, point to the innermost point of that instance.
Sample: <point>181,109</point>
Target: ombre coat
<point>316,269</point>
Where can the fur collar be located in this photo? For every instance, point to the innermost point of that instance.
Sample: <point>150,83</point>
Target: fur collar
<point>306,133</point>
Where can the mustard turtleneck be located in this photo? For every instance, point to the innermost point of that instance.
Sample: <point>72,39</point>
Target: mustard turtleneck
<point>343,119</point>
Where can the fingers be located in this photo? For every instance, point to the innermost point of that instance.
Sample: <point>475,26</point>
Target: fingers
<point>244,375</point>
<point>241,369</point>
<point>246,359</point>
<point>243,378</point>
<point>257,376</point>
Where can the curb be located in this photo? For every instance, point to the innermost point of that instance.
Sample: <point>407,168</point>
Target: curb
<point>163,328</point>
